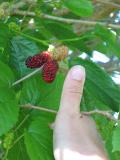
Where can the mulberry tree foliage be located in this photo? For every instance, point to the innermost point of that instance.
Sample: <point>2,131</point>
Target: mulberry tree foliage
<point>28,103</point>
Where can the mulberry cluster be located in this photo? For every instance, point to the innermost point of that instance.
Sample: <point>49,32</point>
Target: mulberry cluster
<point>50,66</point>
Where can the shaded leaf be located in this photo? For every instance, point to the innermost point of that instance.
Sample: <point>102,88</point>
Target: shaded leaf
<point>109,38</point>
<point>38,138</point>
<point>51,93</point>
<point>22,48</point>
<point>18,150</point>
<point>105,128</point>
<point>8,110</point>
<point>67,33</point>
<point>99,84</point>
<point>6,75</point>
<point>4,35</point>
<point>31,92</point>
<point>116,138</point>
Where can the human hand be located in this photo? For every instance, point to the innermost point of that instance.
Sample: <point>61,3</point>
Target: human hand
<point>75,137</point>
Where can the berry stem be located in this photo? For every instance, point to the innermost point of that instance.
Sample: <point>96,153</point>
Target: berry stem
<point>27,76</point>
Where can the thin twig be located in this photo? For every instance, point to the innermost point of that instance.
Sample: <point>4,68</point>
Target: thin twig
<point>39,108</point>
<point>109,3</point>
<point>27,76</point>
<point>66,20</point>
<point>85,22</point>
<point>111,66</point>
<point>17,5</point>
<point>24,17</point>
<point>106,114</point>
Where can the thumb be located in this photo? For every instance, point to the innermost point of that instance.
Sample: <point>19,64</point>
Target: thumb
<point>72,90</point>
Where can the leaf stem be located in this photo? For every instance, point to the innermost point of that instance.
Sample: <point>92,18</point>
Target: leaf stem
<point>17,140</point>
<point>32,38</point>
<point>26,77</point>
<point>22,122</point>
<point>46,42</point>
<point>6,153</point>
<point>71,39</point>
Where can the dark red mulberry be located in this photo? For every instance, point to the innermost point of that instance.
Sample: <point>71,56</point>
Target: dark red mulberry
<point>49,71</point>
<point>37,60</point>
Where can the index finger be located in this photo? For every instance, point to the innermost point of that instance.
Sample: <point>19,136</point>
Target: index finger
<point>72,90</point>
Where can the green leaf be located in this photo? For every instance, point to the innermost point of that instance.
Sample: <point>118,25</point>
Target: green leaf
<point>6,75</point>
<point>109,38</point>
<point>99,84</point>
<point>8,110</point>
<point>105,33</point>
<point>38,138</point>
<point>18,151</point>
<point>116,138</point>
<point>106,128</point>
<point>80,7</point>
<point>31,91</point>
<point>21,49</point>
<point>4,35</point>
<point>89,103</point>
<point>67,33</point>
<point>103,48</point>
<point>37,92</point>
<point>51,93</point>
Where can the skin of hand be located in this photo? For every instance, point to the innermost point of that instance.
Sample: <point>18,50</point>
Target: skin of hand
<point>75,137</point>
